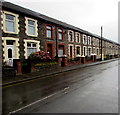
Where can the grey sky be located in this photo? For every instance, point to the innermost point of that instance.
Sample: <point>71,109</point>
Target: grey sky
<point>89,15</point>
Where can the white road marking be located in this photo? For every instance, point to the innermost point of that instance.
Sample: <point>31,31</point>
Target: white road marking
<point>32,103</point>
<point>37,101</point>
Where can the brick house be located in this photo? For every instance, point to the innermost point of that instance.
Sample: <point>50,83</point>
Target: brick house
<point>25,31</point>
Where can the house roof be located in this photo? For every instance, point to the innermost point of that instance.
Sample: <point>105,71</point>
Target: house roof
<point>26,11</point>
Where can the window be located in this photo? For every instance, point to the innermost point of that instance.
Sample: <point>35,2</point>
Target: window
<point>9,53</point>
<point>48,31</point>
<point>77,37</point>
<point>78,50</point>
<point>84,39</point>
<point>71,36</point>
<point>93,41</point>
<point>60,50</point>
<point>94,50</point>
<point>31,27</point>
<point>60,34</point>
<point>10,23</point>
<point>89,51</point>
<point>31,47</point>
<point>89,40</point>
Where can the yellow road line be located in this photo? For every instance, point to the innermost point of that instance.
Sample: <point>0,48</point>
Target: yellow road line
<point>39,77</point>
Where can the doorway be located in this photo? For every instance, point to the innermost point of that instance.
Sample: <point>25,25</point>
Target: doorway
<point>70,51</point>
<point>10,52</point>
<point>50,50</point>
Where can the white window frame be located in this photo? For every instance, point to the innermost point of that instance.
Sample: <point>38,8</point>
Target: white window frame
<point>72,50</point>
<point>36,27</point>
<point>93,41</point>
<point>84,39</point>
<point>76,50</point>
<point>76,35</point>
<point>69,35</point>
<point>16,45</point>
<point>31,41</point>
<point>90,51</point>
<point>89,40</point>
<point>15,22</point>
<point>31,46</point>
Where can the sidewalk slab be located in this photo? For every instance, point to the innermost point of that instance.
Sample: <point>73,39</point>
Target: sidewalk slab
<point>35,75</point>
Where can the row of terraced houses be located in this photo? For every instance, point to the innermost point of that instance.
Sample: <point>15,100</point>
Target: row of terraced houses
<point>25,31</point>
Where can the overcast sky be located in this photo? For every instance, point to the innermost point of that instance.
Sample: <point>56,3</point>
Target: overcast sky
<point>89,15</point>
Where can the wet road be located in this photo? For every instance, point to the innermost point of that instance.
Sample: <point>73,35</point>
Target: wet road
<point>97,93</point>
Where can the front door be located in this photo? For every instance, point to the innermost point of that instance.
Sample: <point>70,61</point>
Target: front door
<point>49,50</point>
<point>10,54</point>
<point>60,50</point>
<point>70,51</point>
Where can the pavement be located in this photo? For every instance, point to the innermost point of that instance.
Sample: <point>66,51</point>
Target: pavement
<point>35,75</point>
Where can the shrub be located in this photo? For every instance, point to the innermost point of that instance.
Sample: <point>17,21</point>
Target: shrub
<point>87,57</point>
<point>41,55</point>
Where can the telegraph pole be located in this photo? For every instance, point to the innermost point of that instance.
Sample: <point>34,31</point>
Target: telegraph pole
<point>101,41</point>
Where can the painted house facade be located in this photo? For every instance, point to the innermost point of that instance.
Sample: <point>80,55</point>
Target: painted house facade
<point>25,31</point>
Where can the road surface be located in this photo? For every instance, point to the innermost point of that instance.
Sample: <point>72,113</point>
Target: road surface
<point>88,90</point>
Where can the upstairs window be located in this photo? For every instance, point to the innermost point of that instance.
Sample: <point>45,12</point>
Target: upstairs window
<point>31,27</point>
<point>71,36</point>
<point>89,40</point>
<point>60,34</point>
<point>84,39</point>
<point>49,31</point>
<point>10,23</point>
<point>77,37</point>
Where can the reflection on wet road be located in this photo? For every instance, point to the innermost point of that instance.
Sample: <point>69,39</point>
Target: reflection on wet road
<point>17,96</point>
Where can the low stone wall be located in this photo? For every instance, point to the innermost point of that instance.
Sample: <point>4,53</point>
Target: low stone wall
<point>8,72</point>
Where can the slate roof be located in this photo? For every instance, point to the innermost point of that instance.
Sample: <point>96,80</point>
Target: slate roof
<point>46,18</point>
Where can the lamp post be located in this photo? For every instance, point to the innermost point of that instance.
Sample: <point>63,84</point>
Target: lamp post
<point>101,42</point>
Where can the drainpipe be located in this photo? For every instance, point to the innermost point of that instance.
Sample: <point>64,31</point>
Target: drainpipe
<point>101,42</point>
<point>56,42</point>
